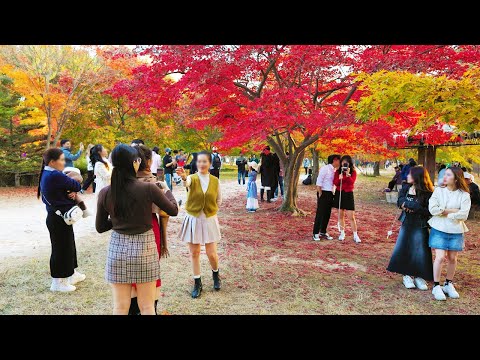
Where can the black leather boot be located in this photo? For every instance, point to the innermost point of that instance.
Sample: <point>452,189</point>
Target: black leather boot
<point>262,191</point>
<point>197,288</point>
<point>217,283</point>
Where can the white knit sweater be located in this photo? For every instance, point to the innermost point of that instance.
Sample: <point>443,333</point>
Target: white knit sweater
<point>442,199</point>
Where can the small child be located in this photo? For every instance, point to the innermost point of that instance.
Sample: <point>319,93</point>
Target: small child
<point>252,201</point>
<point>76,175</point>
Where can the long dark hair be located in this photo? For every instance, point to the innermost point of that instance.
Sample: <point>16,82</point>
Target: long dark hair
<point>460,182</point>
<point>348,159</point>
<point>145,154</point>
<point>49,155</point>
<point>123,174</point>
<point>423,183</point>
<point>95,155</point>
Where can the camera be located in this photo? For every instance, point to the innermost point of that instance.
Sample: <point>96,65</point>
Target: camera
<point>345,167</point>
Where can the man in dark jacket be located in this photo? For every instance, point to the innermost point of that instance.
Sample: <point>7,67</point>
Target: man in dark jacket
<point>474,190</point>
<point>269,169</point>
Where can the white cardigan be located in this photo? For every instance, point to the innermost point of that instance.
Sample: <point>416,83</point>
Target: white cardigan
<point>442,199</point>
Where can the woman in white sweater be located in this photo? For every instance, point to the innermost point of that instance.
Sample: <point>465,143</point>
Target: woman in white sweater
<point>449,206</point>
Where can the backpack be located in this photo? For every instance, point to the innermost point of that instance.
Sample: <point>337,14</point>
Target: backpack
<point>216,161</point>
<point>308,180</point>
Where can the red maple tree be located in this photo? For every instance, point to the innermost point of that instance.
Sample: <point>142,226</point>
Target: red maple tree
<point>290,96</point>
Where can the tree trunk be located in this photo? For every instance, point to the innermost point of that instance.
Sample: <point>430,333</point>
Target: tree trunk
<point>315,165</point>
<point>17,179</point>
<point>292,166</point>
<point>292,174</point>
<point>426,158</point>
<point>376,168</point>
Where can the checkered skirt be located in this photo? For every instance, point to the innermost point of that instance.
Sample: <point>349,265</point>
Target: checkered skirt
<point>132,258</point>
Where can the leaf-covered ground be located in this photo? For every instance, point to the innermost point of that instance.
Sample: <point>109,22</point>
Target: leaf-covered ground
<point>269,265</point>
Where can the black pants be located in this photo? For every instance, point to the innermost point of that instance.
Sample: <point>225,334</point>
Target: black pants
<point>89,181</point>
<point>63,260</point>
<point>215,172</point>
<point>324,210</point>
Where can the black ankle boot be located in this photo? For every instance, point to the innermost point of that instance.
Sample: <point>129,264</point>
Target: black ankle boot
<point>197,288</point>
<point>217,283</point>
<point>134,309</point>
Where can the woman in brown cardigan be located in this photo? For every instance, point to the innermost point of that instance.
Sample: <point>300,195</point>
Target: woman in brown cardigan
<point>159,227</point>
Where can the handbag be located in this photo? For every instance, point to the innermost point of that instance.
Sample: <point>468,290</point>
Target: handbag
<point>71,216</point>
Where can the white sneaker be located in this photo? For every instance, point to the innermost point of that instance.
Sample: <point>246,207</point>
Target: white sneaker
<point>342,236</point>
<point>449,289</point>
<point>326,236</point>
<point>420,284</point>
<point>76,278</point>
<point>408,282</point>
<point>62,285</point>
<point>316,237</point>
<point>438,293</point>
<point>356,238</point>
<point>87,213</point>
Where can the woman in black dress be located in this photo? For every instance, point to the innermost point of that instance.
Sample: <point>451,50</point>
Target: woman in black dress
<point>412,255</point>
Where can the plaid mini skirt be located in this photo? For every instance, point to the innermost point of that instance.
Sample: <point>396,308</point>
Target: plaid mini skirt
<point>132,258</point>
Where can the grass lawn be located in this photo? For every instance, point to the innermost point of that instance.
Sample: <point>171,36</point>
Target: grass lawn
<point>269,265</point>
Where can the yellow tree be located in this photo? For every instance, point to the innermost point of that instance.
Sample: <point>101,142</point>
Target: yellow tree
<point>55,79</point>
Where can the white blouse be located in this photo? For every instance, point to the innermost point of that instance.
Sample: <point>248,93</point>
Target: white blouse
<point>442,199</point>
<point>103,175</point>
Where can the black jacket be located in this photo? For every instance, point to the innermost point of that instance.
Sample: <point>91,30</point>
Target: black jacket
<point>419,207</point>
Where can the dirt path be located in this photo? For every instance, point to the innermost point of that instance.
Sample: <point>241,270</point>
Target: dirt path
<point>22,221</point>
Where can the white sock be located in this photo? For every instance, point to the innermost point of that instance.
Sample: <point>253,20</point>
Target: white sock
<point>215,270</point>
<point>197,276</point>
<point>355,233</point>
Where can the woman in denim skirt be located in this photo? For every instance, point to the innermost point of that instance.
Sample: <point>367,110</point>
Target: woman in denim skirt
<point>449,205</point>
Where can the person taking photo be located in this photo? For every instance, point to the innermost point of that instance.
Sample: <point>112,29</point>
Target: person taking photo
<point>325,190</point>
<point>344,180</point>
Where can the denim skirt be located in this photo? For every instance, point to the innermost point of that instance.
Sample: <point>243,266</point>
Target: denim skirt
<point>445,241</point>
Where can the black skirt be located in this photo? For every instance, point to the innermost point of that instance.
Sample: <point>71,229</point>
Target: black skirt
<point>412,255</point>
<point>348,200</point>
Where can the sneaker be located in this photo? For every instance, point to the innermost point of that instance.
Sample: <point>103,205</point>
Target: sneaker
<point>87,213</point>
<point>449,289</point>
<point>316,237</point>
<point>326,236</point>
<point>408,282</point>
<point>342,236</point>
<point>356,239</point>
<point>275,199</point>
<point>76,278</point>
<point>62,285</point>
<point>438,293</point>
<point>420,284</point>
